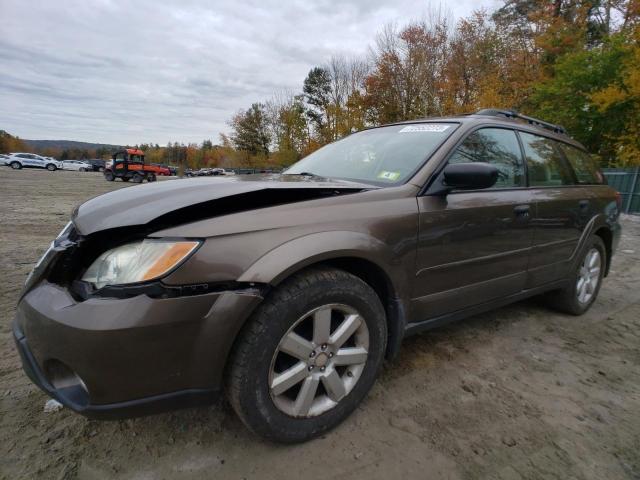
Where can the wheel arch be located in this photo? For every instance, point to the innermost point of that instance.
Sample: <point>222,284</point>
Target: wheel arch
<point>357,253</point>
<point>606,235</point>
<point>374,276</point>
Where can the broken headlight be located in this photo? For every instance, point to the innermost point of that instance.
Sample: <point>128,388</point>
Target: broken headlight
<point>138,262</point>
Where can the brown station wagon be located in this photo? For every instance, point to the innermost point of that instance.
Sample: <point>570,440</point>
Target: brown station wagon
<point>288,291</point>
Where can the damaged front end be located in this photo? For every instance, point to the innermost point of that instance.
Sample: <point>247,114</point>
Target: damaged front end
<point>108,349</point>
<point>70,255</point>
<point>84,240</point>
<point>124,350</point>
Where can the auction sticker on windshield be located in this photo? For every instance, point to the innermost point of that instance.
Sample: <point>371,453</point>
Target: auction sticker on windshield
<point>389,175</point>
<point>426,127</point>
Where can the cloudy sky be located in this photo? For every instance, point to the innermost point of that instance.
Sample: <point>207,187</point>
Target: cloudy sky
<point>127,72</point>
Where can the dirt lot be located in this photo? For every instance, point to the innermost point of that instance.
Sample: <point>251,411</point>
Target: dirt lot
<point>521,392</point>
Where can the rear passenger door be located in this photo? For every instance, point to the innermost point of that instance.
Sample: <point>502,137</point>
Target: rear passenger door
<point>563,208</point>
<point>473,246</point>
<point>25,159</point>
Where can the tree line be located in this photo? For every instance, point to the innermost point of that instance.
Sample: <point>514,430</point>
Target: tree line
<point>10,144</point>
<point>571,62</point>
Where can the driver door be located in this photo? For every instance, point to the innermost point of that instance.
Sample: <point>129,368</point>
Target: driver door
<point>473,246</point>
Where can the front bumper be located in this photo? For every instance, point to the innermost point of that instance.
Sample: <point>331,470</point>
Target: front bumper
<point>115,358</point>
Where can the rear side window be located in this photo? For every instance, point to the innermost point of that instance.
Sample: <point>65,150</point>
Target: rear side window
<point>498,147</point>
<point>545,163</point>
<point>583,164</point>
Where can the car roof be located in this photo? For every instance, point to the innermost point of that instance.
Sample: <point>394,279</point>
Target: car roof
<point>506,118</point>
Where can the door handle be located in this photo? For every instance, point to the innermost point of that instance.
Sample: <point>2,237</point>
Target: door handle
<point>522,211</point>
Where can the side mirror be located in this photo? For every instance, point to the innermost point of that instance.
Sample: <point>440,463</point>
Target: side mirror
<point>469,176</point>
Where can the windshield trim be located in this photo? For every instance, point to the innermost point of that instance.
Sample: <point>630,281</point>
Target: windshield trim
<point>409,177</point>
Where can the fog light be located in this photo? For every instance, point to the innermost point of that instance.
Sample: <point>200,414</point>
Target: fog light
<point>68,384</point>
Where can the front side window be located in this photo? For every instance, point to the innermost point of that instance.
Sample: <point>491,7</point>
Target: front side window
<point>380,156</point>
<point>583,164</point>
<point>544,162</point>
<point>496,146</point>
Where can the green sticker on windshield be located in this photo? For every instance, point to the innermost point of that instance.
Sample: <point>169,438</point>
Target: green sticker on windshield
<point>393,176</point>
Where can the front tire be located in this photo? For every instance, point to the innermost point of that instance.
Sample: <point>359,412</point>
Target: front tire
<point>51,167</point>
<point>109,176</point>
<point>308,355</point>
<point>584,281</point>
<point>16,165</point>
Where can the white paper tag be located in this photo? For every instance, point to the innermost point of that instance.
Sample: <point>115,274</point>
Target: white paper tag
<point>425,127</point>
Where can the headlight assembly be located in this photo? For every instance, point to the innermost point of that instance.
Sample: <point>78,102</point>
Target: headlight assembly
<point>138,262</point>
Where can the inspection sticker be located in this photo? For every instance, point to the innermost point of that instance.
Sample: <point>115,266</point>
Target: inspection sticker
<point>425,127</point>
<point>384,175</point>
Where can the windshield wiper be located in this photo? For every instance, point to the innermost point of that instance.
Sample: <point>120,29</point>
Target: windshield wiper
<point>303,174</point>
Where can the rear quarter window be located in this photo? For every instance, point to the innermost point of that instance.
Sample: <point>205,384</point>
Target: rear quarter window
<point>545,162</point>
<point>583,164</point>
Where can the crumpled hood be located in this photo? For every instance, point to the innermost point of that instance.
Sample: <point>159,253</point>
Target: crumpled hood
<point>179,201</point>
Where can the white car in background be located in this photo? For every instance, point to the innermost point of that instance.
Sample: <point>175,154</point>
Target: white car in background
<point>25,160</point>
<point>77,165</point>
<point>4,159</point>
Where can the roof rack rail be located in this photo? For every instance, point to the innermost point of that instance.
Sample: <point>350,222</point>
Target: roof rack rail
<point>530,120</point>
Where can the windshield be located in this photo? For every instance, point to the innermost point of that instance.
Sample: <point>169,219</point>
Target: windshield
<point>382,156</point>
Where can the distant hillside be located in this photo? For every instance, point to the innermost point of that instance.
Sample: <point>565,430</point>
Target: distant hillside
<point>68,145</point>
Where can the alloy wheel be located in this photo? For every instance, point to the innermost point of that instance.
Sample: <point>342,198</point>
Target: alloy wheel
<point>589,276</point>
<point>319,361</point>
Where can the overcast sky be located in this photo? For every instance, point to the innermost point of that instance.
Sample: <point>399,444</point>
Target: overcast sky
<point>127,72</point>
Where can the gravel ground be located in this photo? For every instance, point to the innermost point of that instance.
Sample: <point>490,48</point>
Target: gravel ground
<point>518,393</point>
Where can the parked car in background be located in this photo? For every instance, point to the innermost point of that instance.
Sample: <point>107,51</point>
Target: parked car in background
<point>289,290</point>
<point>77,165</point>
<point>4,159</point>
<point>206,172</point>
<point>97,164</point>
<point>31,160</point>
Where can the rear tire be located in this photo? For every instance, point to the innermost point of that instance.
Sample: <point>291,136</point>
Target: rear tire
<point>151,178</point>
<point>16,165</point>
<point>137,178</point>
<point>327,387</point>
<point>51,167</point>
<point>109,176</point>
<point>584,281</point>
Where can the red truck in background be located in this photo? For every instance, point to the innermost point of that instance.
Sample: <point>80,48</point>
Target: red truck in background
<point>128,164</point>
